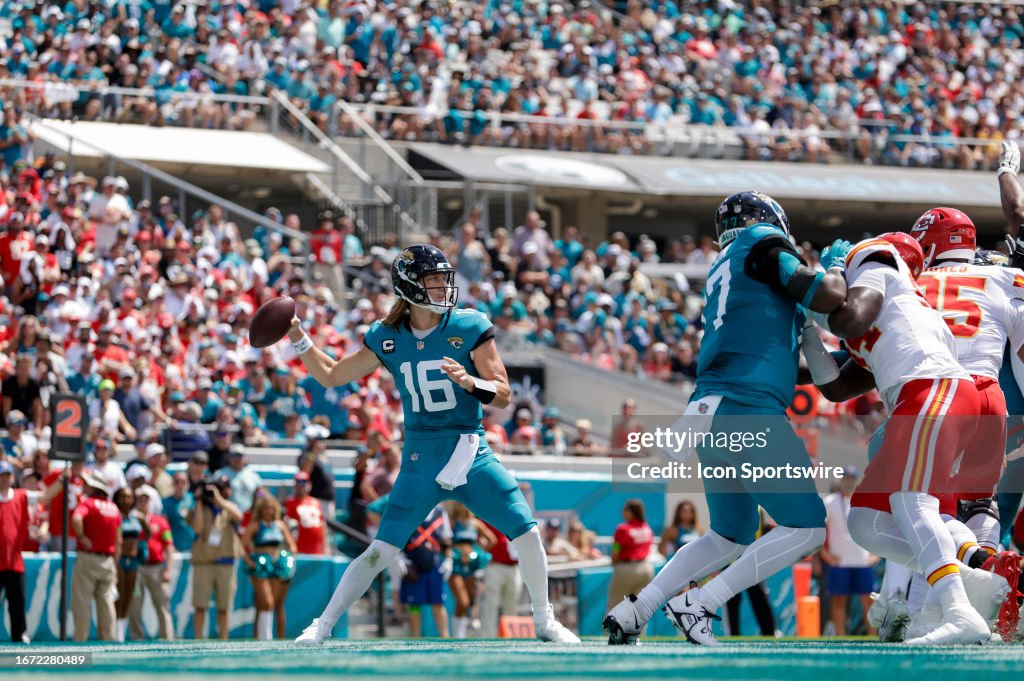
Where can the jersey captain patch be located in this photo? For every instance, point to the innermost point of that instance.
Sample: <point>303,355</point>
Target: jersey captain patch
<point>387,346</point>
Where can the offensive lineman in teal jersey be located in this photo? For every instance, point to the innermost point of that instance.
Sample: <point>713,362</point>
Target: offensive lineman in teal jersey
<point>747,368</point>
<point>446,366</point>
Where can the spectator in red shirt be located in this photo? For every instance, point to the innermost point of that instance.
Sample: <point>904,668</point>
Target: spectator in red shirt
<point>503,584</point>
<point>97,525</point>
<point>13,246</point>
<point>155,574</point>
<point>14,521</point>
<point>326,242</point>
<point>631,545</point>
<point>53,496</point>
<point>306,512</point>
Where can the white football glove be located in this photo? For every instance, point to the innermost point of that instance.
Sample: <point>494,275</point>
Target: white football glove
<point>446,567</point>
<point>1009,159</point>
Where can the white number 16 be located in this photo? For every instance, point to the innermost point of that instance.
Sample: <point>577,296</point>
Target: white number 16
<point>428,386</point>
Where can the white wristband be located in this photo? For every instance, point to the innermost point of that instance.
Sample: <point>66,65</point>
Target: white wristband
<point>820,362</point>
<point>1005,169</point>
<point>303,345</point>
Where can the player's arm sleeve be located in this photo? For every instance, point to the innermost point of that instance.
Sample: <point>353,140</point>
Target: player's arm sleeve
<point>853,380</point>
<point>773,261</point>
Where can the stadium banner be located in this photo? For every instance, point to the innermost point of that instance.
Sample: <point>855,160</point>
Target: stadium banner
<point>673,176</point>
<point>597,502</point>
<point>314,581</point>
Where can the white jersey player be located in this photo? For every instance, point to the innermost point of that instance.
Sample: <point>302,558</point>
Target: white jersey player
<point>984,309</point>
<point>899,343</point>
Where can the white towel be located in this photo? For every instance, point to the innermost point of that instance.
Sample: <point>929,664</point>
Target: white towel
<point>696,419</point>
<point>455,471</point>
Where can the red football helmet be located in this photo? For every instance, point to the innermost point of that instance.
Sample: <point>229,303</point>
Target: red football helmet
<point>945,234</point>
<point>909,250</point>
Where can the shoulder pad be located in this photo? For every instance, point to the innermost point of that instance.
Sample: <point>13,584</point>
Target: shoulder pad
<point>872,250</point>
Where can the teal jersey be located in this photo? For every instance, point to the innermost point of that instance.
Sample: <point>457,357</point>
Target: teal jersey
<point>751,344</point>
<point>432,403</point>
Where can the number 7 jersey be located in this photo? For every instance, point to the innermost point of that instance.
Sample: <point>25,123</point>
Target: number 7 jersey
<point>908,339</point>
<point>432,403</point>
<point>982,305</point>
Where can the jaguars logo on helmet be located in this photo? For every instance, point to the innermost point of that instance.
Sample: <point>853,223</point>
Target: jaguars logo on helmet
<point>987,257</point>
<point>747,209</point>
<point>409,270</point>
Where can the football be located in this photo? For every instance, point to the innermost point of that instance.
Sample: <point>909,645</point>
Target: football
<point>271,322</point>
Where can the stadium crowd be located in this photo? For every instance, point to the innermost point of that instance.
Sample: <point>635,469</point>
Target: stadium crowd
<point>796,81</point>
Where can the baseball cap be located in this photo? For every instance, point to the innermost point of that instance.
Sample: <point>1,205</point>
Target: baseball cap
<point>236,450</point>
<point>138,472</point>
<point>177,396</point>
<point>302,476</point>
<point>316,432</point>
<point>105,384</point>
<point>524,414</point>
<point>199,457</point>
<point>154,449</point>
<point>552,412</point>
<point>6,468</point>
<point>16,418</point>
<point>205,384</point>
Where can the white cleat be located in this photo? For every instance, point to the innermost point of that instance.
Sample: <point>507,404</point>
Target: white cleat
<point>959,625</point>
<point>314,635</point>
<point>986,591</point>
<point>551,630</point>
<point>895,622</point>
<point>924,621</point>
<point>623,623</point>
<point>691,617</point>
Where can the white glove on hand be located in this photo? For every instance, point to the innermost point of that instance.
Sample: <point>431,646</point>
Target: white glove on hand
<point>1009,159</point>
<point>401,566</point>
<point>446,567</point>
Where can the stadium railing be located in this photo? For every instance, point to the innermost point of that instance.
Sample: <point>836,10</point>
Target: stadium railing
<point>678,138</point>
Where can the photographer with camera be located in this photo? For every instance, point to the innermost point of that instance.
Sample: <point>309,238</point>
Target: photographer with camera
<point>214,553</point>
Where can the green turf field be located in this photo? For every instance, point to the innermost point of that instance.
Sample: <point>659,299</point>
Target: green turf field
<point>815,660</point>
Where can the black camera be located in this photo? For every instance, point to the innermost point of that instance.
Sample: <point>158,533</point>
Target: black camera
<point>207,493</point>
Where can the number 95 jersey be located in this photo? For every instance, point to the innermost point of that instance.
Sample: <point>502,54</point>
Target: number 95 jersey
<point>983,307</point>
<point>432,403</point>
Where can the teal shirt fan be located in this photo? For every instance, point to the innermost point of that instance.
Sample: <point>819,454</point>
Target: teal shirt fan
<point>431,402</point>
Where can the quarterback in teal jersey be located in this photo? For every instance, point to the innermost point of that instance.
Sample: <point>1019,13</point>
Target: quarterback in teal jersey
<point>746,375</point>
<point>446,366</point>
